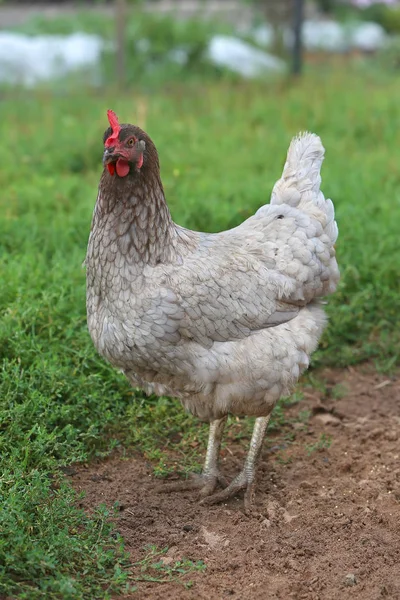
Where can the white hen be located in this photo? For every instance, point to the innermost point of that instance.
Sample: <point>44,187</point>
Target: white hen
<point>226,322</point>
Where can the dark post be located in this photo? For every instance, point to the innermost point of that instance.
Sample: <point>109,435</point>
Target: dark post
<point>297,45</point>
<point>120,18</point>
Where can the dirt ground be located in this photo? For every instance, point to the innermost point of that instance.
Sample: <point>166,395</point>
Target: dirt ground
<point>326,524</point>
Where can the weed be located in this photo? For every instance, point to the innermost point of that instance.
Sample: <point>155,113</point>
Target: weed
<point>303,416</point>
<point>339,391</point>
<point>323,443</point>
<point>158,568</point>
<point>283,459</point>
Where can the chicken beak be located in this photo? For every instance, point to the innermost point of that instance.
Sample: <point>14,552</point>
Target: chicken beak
<point>109,155</point>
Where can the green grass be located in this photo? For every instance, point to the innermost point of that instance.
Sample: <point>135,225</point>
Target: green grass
<point>156,567</point>
<point>324,443</point>
<point>222,147</point>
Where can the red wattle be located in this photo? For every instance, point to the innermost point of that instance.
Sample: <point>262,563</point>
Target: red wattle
<point>111,168</point>
<point>122,167</point>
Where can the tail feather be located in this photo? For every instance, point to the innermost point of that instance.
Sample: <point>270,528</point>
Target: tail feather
<point>300,183</point>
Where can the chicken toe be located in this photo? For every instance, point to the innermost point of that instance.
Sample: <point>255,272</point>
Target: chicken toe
<point>207,484</point>
<point>211,476</point>
<point>245,479</point>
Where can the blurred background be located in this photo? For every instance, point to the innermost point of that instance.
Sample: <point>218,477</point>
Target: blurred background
<point>164,40</point>
<point>221,86</point>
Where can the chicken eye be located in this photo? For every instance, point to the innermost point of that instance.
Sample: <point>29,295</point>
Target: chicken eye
<point>130,142</point>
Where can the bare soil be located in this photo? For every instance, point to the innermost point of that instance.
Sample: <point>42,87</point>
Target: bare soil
<point>326,522</point>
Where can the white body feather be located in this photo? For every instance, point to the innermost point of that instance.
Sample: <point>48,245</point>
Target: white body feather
<point>228,321</point>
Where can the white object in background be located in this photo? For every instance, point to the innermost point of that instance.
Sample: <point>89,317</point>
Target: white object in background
<point>242,58</point>
<point>264,35</point>
<point>368,37</point>
<point>29,60</point>
<point>325,35</point>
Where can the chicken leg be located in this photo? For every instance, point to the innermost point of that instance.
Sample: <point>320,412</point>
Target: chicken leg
<point>211,476</point>
<point>245,479</point>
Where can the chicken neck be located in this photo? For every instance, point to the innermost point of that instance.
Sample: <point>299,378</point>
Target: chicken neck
<point>135,210</point>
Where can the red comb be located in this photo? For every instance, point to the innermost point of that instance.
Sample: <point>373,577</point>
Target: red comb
<point>115,126</point>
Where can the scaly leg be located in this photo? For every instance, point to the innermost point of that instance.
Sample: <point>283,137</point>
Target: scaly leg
<point>210,477</point>
<point>245,479</point>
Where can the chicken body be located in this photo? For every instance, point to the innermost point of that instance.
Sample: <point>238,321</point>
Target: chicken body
<point>226,322</point>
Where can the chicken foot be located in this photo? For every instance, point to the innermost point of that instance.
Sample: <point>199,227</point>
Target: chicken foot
<point>211,476</point>
<point>245,479</point>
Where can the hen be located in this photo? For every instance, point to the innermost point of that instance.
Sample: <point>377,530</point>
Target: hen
<point>225,322</point>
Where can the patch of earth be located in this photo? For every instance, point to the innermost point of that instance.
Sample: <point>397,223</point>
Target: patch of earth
<point>326,524</point>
